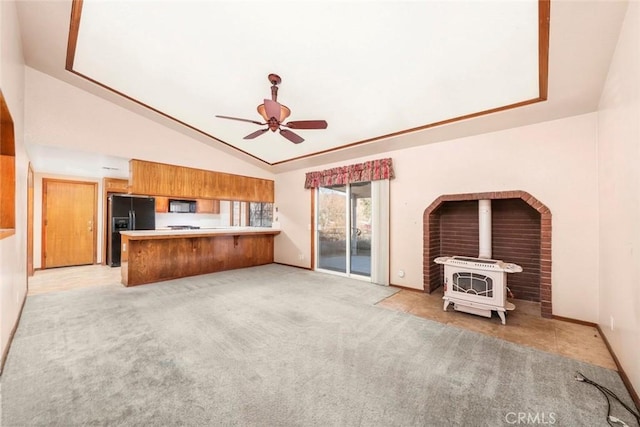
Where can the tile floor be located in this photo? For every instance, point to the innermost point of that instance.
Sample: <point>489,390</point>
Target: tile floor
<point>524,325</point>
<point>65,278</point>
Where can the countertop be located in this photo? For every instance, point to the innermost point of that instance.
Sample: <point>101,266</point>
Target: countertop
<point>199,232</point>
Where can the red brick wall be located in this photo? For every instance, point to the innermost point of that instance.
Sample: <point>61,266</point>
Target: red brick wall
<point>516,238</point>
<point>521,233</point>
<point>459,228</point>
<point>433,271</point>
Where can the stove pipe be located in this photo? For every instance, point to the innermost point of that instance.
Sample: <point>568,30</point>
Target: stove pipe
<point>484,228</point>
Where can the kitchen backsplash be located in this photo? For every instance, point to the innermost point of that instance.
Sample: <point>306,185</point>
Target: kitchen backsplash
<point>164,220</point>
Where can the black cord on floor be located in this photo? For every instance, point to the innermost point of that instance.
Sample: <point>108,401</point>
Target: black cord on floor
<point>606,392</point>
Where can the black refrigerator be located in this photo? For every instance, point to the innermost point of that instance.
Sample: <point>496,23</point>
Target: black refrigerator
<point>127,213</point>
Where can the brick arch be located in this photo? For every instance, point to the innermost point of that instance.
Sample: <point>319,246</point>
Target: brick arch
<point>431,221</point>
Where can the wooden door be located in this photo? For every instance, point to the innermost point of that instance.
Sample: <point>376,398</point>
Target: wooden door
<point>68,223</point>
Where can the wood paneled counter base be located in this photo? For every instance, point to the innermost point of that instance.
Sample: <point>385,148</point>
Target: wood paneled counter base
<point>154,255</point>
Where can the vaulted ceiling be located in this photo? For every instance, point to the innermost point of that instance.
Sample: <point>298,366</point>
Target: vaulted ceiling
<point>384,75</point>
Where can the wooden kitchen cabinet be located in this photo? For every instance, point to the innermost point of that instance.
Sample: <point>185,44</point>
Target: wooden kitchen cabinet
<point>115,185</point>
<point>209,206</point>
<point>161,179</point>
<point>193,254</point>
<point>162,204</point>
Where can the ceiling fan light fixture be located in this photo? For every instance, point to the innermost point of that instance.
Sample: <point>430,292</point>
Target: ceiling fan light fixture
<point>284,112</point>
<point>271,108</point>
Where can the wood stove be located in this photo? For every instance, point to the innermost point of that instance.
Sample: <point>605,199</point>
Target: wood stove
<point>477,285</point>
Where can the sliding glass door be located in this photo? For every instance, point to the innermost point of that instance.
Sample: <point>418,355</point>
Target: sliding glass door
<point>360,244</point>
<point>331,246</point>
<point>344,229</point>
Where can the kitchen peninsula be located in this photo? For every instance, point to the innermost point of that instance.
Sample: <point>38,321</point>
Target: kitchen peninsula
<point>155,255</point>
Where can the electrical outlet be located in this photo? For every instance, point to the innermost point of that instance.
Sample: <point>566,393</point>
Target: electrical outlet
<point>300,256</point>
<point>612,323</point>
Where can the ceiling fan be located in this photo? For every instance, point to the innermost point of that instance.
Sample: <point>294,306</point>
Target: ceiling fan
<point>274,114</point>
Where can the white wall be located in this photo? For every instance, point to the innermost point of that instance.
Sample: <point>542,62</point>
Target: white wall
<point>13,249</point>
<point>619,198</point>
<point>553,161</point>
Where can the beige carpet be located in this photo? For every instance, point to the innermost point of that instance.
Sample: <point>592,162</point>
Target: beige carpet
<point>274,346</point>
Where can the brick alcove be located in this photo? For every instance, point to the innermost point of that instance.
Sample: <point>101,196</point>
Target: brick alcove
<point>531,247</point>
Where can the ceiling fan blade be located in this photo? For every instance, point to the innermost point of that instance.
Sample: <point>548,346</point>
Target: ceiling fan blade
<point>256,134</point>
<point>307,124</point>
<point>272,108</point>
<point>240,120</point>
<point>293,137</point>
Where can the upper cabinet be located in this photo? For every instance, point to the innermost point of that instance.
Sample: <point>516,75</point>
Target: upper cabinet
<point>208,206</point>
<point>159,179</point>
<point>162,204</point>
<point>115,185</point>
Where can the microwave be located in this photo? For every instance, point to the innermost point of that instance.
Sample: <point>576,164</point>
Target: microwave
<point>182,206</point>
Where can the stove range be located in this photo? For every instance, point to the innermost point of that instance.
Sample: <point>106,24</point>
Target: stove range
<point>183,227</point>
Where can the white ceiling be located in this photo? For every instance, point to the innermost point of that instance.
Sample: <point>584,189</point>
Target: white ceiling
<point>370,68</point>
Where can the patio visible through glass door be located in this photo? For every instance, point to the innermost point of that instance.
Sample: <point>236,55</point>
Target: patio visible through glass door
<point>343,238</point>
<point>360,247</point>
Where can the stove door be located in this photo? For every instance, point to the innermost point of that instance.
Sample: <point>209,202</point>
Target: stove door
<point>483,287</point>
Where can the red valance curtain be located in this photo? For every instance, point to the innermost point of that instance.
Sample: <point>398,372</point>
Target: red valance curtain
<point>361,172</point>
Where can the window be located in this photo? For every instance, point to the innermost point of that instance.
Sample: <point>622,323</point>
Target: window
<point>260,214</point>
<point>252,214</point>
<point>238,214</point>
<point>7,172</point>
